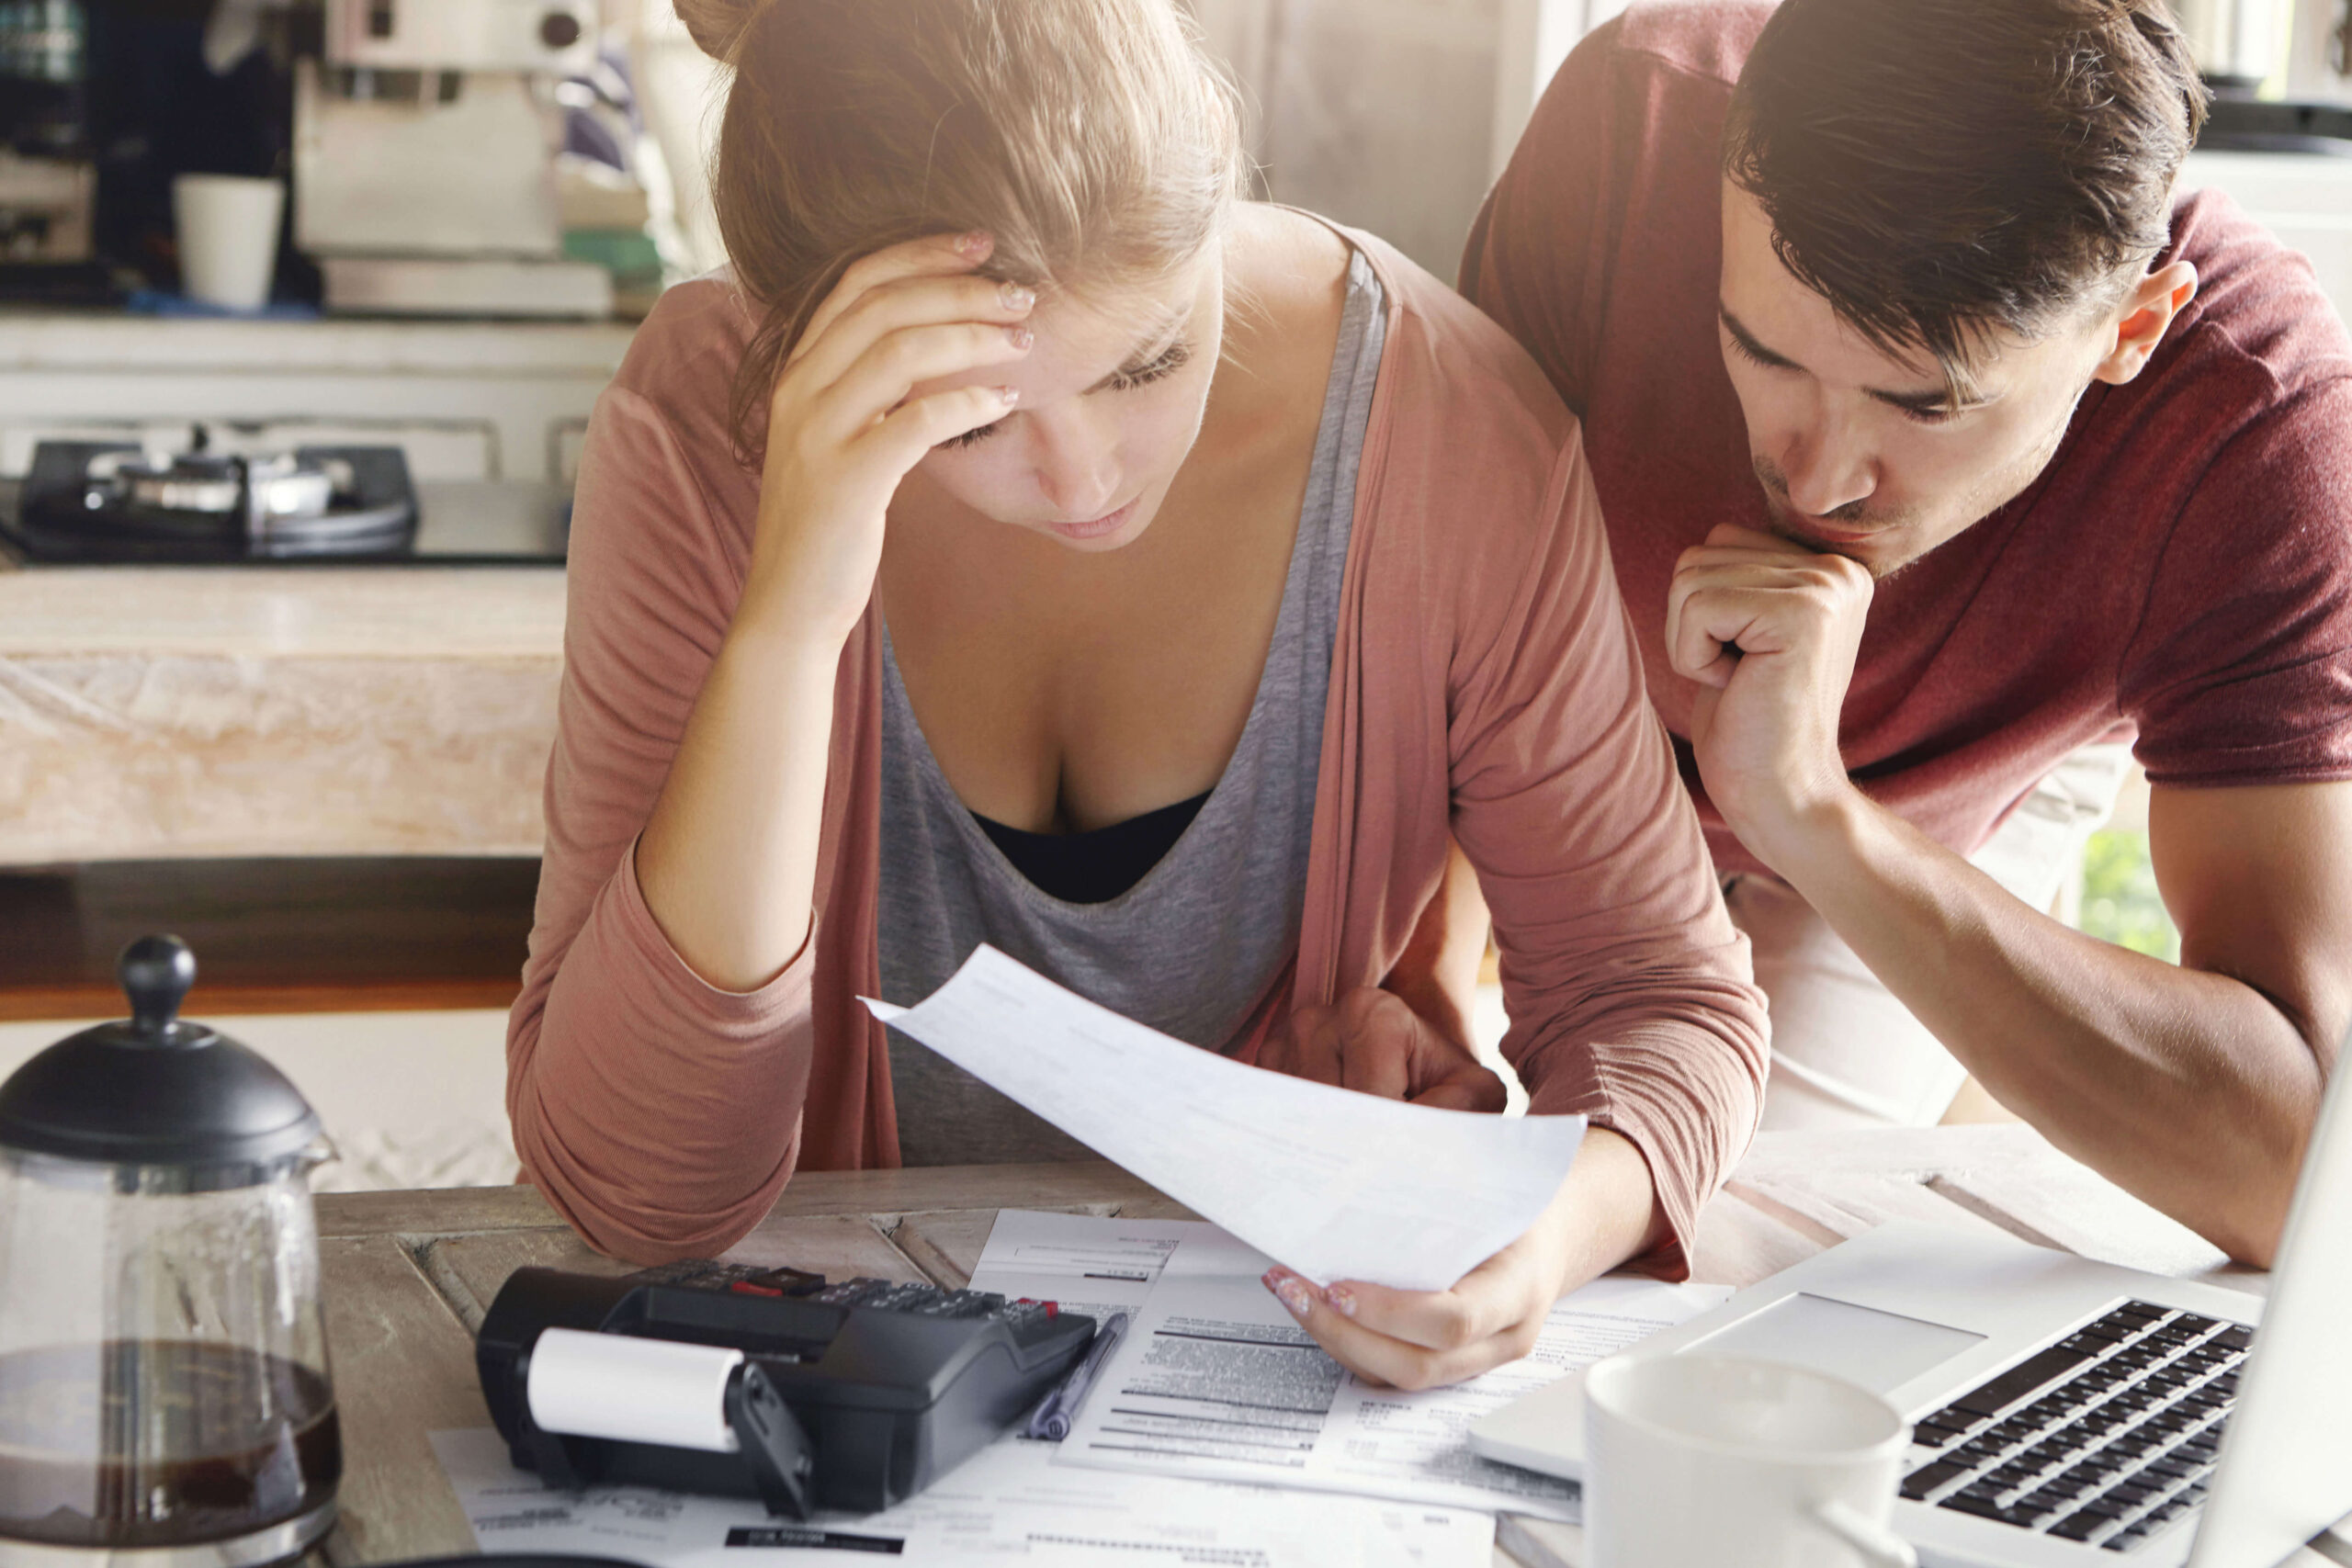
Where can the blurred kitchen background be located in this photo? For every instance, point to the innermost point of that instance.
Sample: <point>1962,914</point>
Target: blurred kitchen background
<point>303,308</point>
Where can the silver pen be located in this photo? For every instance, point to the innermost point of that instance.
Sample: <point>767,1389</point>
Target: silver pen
<point>1051,1420</point>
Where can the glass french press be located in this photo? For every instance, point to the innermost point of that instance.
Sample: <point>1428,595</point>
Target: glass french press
<point>165,1399</point>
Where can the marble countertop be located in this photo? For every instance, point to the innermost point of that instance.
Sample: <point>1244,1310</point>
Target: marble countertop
<point>163,711</point>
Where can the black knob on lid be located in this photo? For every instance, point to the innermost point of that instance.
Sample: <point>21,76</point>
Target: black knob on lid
<point>155,1089</point>
<point>157,972</point>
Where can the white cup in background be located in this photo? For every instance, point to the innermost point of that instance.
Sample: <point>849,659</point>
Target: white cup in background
<point>1694,1460</point>
<point>227,237</point>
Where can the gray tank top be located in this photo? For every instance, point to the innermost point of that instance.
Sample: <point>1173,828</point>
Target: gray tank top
<point>1194,946</point>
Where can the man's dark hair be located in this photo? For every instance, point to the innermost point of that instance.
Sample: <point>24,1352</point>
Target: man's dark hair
<point>1939,169</point>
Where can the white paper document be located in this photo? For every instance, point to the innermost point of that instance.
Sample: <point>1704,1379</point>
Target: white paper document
<point>1080,1262</point>
<point>1215,1380</point>
<point>1334,1184</point>
<point>1009,1503</point>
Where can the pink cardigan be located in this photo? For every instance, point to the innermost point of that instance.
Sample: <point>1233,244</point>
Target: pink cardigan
<point>1484,682</point>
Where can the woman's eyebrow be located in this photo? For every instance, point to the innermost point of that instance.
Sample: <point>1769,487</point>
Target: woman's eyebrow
<point>1152,347</point>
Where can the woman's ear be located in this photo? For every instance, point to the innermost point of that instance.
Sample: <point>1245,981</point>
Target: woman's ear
<point>2143,318</point>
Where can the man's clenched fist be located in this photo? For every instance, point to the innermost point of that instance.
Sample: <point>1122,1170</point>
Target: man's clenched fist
<point>1371,1041</point>
<point>1768,629</point>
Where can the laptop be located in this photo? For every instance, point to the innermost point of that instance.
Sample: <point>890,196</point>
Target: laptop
<point>2064,1411</point>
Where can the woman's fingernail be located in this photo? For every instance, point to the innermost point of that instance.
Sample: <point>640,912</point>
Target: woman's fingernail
<point>1342,1300</point>
<point>1016,298</point>
<point>1021,336</point>
<point>1011,395</point>
<point>976,244</point>
<point>1296,1296</point>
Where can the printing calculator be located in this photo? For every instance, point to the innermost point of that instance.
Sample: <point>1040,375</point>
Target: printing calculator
<point>763,1382</point>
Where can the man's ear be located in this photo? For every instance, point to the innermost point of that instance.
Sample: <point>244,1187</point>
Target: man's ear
<point>2141,322</point>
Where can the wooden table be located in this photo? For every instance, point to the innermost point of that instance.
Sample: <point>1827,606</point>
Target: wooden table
<point>408,1274</point>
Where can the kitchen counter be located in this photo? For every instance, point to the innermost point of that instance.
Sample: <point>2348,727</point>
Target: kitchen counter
<point>245,711</point>
<point>35,340</point>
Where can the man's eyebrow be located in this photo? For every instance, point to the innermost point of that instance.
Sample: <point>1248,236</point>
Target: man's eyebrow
<point>1154,345</point>
<point>1936,400</point>
<point>1748,340</point>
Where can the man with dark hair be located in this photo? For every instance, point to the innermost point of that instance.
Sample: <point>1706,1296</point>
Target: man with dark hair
<point>1943,451</point>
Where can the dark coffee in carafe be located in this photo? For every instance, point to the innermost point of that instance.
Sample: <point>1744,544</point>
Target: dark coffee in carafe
<point>160,1443</point>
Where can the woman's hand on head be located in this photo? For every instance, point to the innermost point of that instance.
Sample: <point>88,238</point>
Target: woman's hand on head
<point>845,427</point>
<point>1603,1214</point>
<point>1371,1042</point>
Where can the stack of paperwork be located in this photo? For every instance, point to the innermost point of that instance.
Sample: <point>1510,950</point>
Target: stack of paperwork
<point>1215,1381</point>
<point>1217,1431</point>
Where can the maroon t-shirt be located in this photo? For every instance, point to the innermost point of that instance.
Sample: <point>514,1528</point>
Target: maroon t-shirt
<point>2182,572</point>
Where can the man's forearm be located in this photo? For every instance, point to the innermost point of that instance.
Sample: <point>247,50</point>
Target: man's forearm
<point>2189,1088</point>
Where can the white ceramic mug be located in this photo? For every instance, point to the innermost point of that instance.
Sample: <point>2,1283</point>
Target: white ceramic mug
<point>228,235</point>
<point>1695,1460</point>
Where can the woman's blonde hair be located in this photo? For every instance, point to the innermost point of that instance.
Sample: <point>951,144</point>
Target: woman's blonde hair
<point>1094,140</point>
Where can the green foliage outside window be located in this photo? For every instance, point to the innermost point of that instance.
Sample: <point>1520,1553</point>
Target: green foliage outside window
<point>2119,900</point>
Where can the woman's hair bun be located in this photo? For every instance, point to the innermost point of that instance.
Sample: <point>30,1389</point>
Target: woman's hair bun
<point>719,25</point>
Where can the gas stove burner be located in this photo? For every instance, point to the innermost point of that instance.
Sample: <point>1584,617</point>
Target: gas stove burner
<point>116,502</point>
<point>268,488</point>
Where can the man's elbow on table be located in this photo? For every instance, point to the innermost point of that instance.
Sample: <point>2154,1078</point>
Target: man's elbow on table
<point>2252,1219</point>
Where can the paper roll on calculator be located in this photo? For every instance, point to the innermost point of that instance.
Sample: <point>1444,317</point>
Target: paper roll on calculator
<point>640,1390</point>
<point>1335,1184</point>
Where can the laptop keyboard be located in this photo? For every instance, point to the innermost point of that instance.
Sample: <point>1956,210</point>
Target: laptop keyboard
<point>2104,1438</point>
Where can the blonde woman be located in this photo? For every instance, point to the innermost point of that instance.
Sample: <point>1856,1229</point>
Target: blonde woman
<point>1033,541</point>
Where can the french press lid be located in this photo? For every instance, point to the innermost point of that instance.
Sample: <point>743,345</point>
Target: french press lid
<point>154,1089</point>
